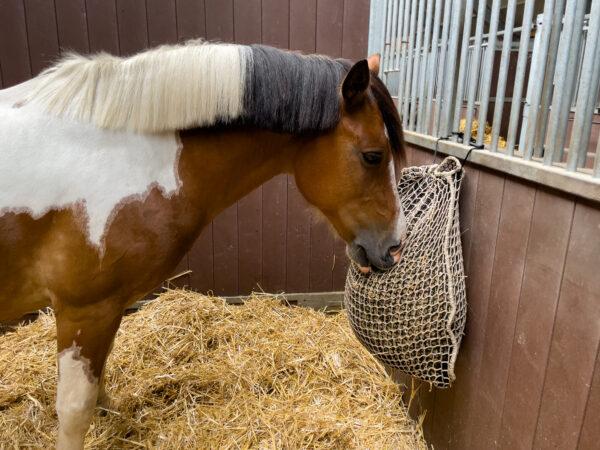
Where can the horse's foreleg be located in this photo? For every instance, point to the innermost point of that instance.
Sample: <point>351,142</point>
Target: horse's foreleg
<point>85,337</point>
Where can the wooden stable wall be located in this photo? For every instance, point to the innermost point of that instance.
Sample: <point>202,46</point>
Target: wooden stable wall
<point>270,238</point>
<point>528,372</point>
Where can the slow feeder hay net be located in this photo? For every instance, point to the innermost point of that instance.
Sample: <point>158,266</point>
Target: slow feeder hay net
<point>412,317</point>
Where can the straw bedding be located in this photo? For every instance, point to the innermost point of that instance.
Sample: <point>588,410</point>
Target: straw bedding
<point>189,371</point>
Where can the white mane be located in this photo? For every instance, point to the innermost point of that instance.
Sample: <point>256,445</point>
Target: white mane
<point>166,88</point>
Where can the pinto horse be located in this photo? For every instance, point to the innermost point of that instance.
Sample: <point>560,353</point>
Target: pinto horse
<point>111,167</point>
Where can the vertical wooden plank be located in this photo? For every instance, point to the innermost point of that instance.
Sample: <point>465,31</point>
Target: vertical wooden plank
<point>71,20</point>
<point>225,239</point>
<point>161,17</point>
<point>133,29</point>
<point>484,231</point>
<point>103,30</point>
<point>247,21</point>
<point>191,21</point>
<point>201,262</point>
<point>321,254</point>
<point>303,25</point>
<point>42,34</point>
<point>468,195</point>
<point>219,20</point>
<point>507,274</point>
<point>340,264</point>
<point>590,432</point>
<point>250,242</point>
<point>575,338</point>
<point>330,19</point>
<point>355,29</point>
<point>550,228</point>
<point>275,19</point>
<point>298,240</point>
<point>274,227</point>
<point>14,52</point>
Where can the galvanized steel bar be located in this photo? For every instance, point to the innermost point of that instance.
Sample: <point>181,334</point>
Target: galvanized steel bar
<point>410,62</point>
<point>392,47</point>
<point>403,55</point>
<point>519,78</point>
<point>441,68</point>
<point>588,92</point>
<point>462,71</point>
<point>542,122</point>
<point>474,76</point>
<point>563,81</point>
<point>426,64</point>
<point>416,69</point>
<point>388,30</point>
<point>376,27</point>
<point>432,66</point>
<point>447,103</point>
<point>596,173</point>
<point>399,34</point>
<point>488,66</point>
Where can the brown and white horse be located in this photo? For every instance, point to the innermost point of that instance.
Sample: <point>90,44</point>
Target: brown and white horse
<point>110,168</point>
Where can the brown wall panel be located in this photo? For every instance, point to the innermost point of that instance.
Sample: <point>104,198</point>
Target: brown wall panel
<point>14,51</point>
<point>103,29</point>
<point>298,240</point>
<point>250,240</point>
<point>590,432</point>
<point>161,16</point>
<point>575,338</point>
<point>274,229</point>
<point>550,223</point>
<point>201,262</point>
<point>248,21</point>
<point>42,34</point>
<point>71,19</point>
<point>219,20</point>
<point>275,23</point>
<point>330,19</point>
<point>303,25</point>
<point>225,241</point>
<point>191,22</point>
<point>133,30</point>
<point>355,25</point>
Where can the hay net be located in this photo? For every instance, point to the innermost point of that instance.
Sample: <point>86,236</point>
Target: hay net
<point>412,317</point>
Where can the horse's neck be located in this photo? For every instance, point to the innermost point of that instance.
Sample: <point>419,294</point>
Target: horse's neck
<point>218,167</point>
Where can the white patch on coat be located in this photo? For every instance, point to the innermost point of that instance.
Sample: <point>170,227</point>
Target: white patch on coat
<point>75,397</point>
<point>48,163</point>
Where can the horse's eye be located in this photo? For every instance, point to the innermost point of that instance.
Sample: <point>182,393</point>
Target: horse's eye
<point>372,158</point>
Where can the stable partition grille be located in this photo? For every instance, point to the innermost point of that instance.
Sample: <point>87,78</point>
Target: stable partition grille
<point>530,69</point>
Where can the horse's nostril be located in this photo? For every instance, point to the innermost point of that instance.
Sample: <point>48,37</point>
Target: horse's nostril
<point>395,249</point>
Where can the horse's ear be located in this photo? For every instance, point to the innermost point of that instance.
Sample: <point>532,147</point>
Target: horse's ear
<point>356,83</point>
<point>373,61</point>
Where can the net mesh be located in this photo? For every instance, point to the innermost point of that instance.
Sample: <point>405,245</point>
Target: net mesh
<point>412,316</point>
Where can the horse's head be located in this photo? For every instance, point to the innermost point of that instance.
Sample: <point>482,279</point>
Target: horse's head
<point>349,174</point>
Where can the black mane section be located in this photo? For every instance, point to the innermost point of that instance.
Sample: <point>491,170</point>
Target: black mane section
<point>391,119</point>
<point>293,93</point>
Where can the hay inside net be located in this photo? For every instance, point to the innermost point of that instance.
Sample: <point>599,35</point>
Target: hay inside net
<point>190,371</point>
<point>412,317</point>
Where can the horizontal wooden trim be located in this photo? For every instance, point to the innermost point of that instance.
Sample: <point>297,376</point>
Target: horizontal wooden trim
<point>574,183</point>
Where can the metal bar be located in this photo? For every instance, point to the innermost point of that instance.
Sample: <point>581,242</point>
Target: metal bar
<point>473,78</point>
<point>462,71</point>
<point>417,66</point>
<point>561,98</point>
<point>410,62</point>
<point>449,87</point>
<point>441,68</point>
<point>487,71</point>
<point>425,77</point>
<point>376,25</point>
<point>399,34</point>
<point>588,91</point>
<point>402,77</point>
<point>383,25</point>
<point>519,78</point>
<point>596,173</point>
<point>432,66</point>
<point>542,122</point>
<point>388,30</point>
<point>392,47</point>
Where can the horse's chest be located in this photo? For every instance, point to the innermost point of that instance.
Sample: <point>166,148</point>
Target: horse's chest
<point>48,164</point>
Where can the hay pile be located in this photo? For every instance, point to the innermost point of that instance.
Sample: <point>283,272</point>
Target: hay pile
<point>189,371</point>
<point>487,132</point>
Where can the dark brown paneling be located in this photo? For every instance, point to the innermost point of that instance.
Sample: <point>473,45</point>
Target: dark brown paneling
<point>509,260</point>
<point>250,241</point>
<point>133,30</point>
<point>298,240</point>
<point>225,239</point>
<point>590,432</point>
<point>321,254</point>
<point>14,53</point>
<point>550,228</point>
<point>191,21</point>
<point>340,264</point>
<point>71,20</point>
<point>162,22</point>
<point>275,23</point>
<point>274,228</point>
<point>355,29</point>
<point>330,18</point>
<point>201,262</point>
<point>219,20</point>
<point>103,30</point>
<point>248,21</point>
<point>575,339</point>
<point>42,34</point>
<point>303,25</point>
